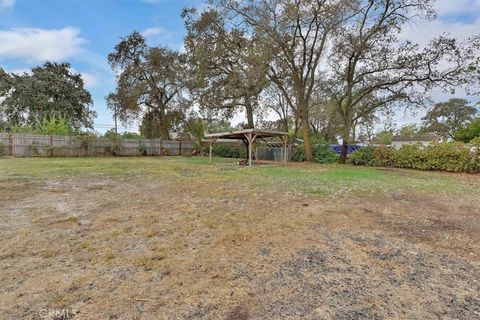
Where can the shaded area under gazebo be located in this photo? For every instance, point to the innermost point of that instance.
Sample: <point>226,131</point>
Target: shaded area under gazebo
<point>248,136</point>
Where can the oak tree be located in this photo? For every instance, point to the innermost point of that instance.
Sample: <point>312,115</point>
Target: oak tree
<point>373,69</point>
<point>150,85</point>
<point>48,91</point>
<point>230,65</point>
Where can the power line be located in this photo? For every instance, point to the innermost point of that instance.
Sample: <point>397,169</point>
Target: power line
<point>112,126</point>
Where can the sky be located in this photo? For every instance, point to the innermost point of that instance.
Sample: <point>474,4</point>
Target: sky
<point>84,32</point>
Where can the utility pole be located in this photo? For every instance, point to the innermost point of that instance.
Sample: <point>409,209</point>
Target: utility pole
<point>115,116</point>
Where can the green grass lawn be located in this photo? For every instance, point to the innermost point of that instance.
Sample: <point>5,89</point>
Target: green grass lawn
<point>316,179</point>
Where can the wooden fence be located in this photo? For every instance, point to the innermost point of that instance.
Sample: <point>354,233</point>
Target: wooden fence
<point>30,145</point>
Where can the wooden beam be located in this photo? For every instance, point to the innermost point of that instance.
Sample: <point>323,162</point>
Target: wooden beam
<point>249,139</point>
<point>212,141</point>
<point>285,151</point>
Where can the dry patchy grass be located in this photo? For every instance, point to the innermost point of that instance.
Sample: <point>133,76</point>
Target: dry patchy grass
<point>176,238</point>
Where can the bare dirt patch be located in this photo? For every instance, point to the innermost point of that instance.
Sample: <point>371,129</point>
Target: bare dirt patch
<point>192,247</point>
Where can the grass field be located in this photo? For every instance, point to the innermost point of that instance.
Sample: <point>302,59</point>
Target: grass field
<point>179,238</point>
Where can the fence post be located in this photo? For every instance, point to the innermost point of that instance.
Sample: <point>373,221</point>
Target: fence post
<point>180,148</point>
<point>10,144</point>
<point>161,147</point>
<point>51,146</point>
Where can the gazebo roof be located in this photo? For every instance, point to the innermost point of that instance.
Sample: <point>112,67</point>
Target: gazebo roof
<point>248,135</point>
<point>240,134</point>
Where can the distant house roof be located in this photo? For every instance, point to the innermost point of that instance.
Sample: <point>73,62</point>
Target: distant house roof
<point>424,137</point>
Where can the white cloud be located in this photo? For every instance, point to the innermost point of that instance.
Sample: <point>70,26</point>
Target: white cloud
<point>18,71</point>
<point>7,3</point>
<point>452,7</point>
<point>149,32</point>
<point>40,44</point>
<point>89,79</point>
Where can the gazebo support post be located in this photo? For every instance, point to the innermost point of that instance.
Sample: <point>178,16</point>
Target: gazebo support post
<point>285,151</point>
<point>250,140</point>
<point>211,142</point>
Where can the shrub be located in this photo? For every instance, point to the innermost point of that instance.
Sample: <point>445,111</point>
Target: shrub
<point>321,151</point>
<point>55,126</point>
<point>372,156</point>
<point>143,150</point>
<point>409,156</point>
<point>2,149</point>
<point>363,156</point>
<point>475,152</point>
<point>35,148</point>
<point>451,156</point>
<point>115,146</point>
<point>85,142</point>
<point>299,155</point>
<point>381,157</point>
<point>228,151</point>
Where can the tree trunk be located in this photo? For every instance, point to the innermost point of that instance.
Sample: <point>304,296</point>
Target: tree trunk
<point>347,128</point>
<point>354,132</point>
<point>306,134</point>
<point>249,112</point>
<point>164,129</point>
<point>343,154</point>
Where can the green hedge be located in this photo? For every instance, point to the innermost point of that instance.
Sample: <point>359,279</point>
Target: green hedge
<point>228,151</point>
<point>321,153</point>
<point>450,156</point>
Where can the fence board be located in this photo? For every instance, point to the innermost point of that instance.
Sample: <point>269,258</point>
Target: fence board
<point>34,145</point>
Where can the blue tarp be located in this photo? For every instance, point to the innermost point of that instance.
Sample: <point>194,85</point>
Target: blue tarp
<point>337,148</point>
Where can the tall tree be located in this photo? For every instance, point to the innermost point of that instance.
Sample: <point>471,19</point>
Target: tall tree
<point>297,33</point>
<point>469,132</point>
<point>274,101</point>
<point>447,117</point>
<point>150,83</point>
<point>49,91</point>
<point>372,69</point>
<point>230,65</point>
<point>324,120</point>
<point>409,130</point>
<point>473,68</point>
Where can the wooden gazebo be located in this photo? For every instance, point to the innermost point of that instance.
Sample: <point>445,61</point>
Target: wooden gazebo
<point>249,136</point>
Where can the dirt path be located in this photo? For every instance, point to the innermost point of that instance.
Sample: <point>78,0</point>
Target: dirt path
<point>116,249</point>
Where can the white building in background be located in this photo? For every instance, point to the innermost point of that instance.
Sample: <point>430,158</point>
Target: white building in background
<point>425,140</point>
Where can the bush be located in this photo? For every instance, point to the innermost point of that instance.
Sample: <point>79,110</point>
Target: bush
<point>85,142</point>
<point>382,157</point>
<point>299,155</point>
<point>228,151</point>
<point>35,147</point>
<point>143,151</point>
<point>475,150</point>
<point>451,156</point>
<point>363,156</point>
<point>371,156</point>
<point>321,153</point>
<point>55,126</point>
<point>409,156</point>
<point>2,149</point>
<point>115,147</point>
